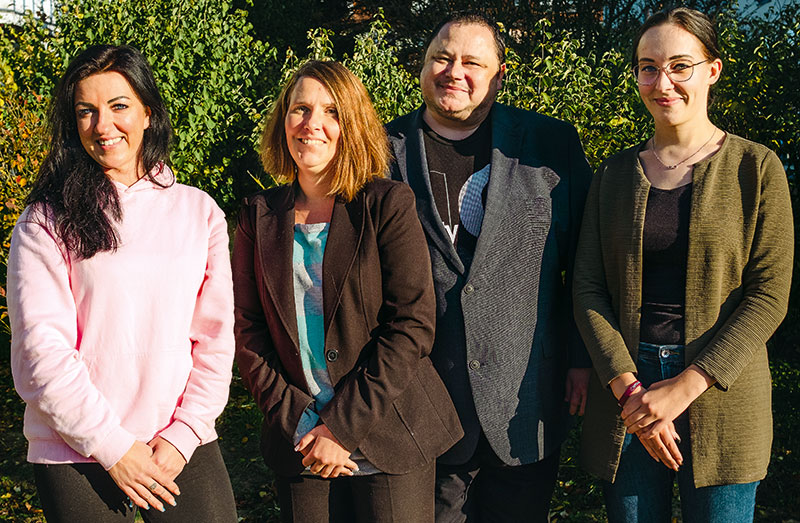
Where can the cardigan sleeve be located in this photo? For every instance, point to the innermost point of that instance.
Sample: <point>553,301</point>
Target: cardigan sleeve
<point>405,331</point>
<point>49,373</point>
<point>256,356</point>
<point>211,333</point>
<point>593,308</point>
<point>765,283</point>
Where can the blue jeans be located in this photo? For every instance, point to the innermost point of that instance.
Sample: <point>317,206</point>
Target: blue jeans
<point>642,490</point>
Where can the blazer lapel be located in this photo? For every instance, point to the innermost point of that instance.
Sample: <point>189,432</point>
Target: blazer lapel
<point>276,243</point>
<point>505,157</point>
<point>341,249</point>
<point>419,180</point>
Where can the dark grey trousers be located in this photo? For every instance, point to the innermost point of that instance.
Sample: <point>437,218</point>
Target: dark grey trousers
<point>378,498</point>
<point>86,492</point>
<point>485,490</point>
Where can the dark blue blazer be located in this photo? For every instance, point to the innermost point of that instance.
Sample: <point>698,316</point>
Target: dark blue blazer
<point>505,333</point>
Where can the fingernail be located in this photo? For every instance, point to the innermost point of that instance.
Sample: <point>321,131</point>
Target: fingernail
<point>146,506</point>
<point>173,503</point>
<point>297,447</point>
<point>162,509</point>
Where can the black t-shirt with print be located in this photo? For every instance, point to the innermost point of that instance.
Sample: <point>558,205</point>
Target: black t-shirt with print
<point>459,174</point>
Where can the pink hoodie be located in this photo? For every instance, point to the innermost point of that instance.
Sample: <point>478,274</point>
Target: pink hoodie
<point>126,345</point>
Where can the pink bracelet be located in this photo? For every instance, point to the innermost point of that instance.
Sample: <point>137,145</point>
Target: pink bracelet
<point>627,394</point>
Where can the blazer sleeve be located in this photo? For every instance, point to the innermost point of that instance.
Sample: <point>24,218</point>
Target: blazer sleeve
<point>594,312</point>
<point>580,178</point>
<point>766,281</point>
<point>256,356</point>
<point>211,333</point>
<point>48,371</point>
<point>406,321</point>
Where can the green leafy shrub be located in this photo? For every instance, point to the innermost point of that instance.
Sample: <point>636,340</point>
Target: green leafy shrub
<point>22,149</point>
<point>208,66</point>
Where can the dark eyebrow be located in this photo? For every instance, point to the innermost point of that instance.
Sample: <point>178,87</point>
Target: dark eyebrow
<point>87,104</point>
<point>670,59</point>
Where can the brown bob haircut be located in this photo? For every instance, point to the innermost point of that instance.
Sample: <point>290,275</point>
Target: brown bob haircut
<point>362,153</point>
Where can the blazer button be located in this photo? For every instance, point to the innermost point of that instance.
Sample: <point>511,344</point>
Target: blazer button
<point>332,355</point>
<point>468,288</point>
<point>474,364</point>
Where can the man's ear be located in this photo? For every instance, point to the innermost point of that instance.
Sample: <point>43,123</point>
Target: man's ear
<point>501,74</point>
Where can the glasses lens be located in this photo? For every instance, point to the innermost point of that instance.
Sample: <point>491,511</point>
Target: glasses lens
<point>645,75</point>
<point>680,72</point>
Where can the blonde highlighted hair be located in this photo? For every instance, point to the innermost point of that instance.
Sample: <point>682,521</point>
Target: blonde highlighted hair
<point>362,153</point>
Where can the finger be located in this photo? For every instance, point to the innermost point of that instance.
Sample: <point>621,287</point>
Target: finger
<point>574,402</point>
<point>135,498</point>
<point>675,434</point>
<point>316,467</point>
<point>327,470</point>
<point>350,464</point>
<point>308,461</point>
<point>664,453</point>
<point>583,403</point>
<point>568,391</point>
<point>646,445</point>
<point>169,485</point>
<point>162,492</point>
<point>639,422</point>
<point>342,471</point>
<point>672,448</point>
<point>304,442</point>
<point>150,499</point>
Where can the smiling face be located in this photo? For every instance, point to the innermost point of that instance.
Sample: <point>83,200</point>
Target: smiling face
<point>111,120</point>
<point>461,75</point>
<point>675,103</point>
<point>312,127</point>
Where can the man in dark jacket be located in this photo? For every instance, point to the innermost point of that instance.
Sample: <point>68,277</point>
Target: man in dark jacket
<point>500,193</point>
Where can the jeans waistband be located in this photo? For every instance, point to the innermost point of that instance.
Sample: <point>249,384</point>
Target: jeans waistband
<point>661,350</point>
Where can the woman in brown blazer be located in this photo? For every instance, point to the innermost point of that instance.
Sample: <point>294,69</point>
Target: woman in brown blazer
<point>335,314</point>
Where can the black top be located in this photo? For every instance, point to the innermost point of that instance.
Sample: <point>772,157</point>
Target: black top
<point>665,247</point>
<point>459,174</point>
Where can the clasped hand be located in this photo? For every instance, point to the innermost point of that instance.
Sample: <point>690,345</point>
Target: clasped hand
<point>650,413</point>
<point>147,472</point>
<point>324,455</point>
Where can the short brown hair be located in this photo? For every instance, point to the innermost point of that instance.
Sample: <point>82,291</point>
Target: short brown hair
<point>362,153</point>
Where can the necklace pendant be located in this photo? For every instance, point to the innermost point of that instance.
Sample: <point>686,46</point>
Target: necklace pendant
<point>671,167</point>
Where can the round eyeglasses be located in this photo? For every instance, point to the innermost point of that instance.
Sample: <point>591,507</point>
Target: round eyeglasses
<point>678,71</point>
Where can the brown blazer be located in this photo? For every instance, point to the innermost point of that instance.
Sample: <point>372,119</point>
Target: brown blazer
<point>379,314</point>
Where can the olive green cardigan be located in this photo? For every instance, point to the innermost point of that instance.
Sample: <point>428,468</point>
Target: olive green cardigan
<point>738,273</point>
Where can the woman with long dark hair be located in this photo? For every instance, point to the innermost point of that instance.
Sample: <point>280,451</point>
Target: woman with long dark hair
<point>682,275</point>
<point>121,307</point>
<point>335,313</point>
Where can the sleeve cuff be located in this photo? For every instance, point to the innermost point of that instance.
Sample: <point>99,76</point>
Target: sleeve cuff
<point>113,447</point>
<point>308,421</point>
<point>182,437</point>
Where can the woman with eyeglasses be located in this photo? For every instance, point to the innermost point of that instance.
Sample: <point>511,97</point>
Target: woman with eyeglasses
<point>682,275</point>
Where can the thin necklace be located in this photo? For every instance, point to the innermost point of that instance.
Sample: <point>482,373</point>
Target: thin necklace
<point>670,167</point>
